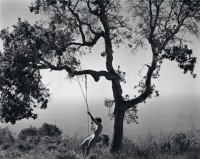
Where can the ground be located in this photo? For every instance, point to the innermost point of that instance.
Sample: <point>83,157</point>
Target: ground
<point>178,145</point>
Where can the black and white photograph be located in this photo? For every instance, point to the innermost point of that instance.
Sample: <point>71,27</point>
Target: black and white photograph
<point>99,79</point>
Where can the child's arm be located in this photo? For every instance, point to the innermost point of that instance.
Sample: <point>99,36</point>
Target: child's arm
<point>92,118</point>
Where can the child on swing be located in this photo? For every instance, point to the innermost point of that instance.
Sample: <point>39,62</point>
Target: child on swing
<point>92,139</point>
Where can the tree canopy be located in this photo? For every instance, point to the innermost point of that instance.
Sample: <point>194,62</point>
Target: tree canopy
<point>70,29</point>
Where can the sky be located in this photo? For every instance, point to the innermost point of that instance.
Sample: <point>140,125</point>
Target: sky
<point>177,107</point>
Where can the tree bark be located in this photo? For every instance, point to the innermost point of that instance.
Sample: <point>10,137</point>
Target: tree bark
<point>118,130</point>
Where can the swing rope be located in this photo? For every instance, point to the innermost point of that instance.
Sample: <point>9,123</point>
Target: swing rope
<point>85,97</point>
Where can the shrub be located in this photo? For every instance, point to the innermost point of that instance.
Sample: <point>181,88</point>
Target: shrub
<point>6,136</point>
<point>52,147</point>
<point>5,146</point>
<point>103,141</point>
<point>180,142</point>
<point>15,154</point>
<point>165,147</point>
<point>132,149</point>
<point>65,155</point>
<point>28,132</point>
<point>24,147</point>
<point>49,130</point>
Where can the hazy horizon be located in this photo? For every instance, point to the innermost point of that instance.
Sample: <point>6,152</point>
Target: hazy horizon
<point>150,117</point>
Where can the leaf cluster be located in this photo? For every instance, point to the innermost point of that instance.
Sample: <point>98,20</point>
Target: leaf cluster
<point>130,114</point>
<point>21,88</point>
<point>183,56</point>
<point>121,75</point>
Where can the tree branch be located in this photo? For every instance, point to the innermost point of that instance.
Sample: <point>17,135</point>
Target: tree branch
<point>90,9</point>
<point>90,27</point>
<point>48,65</point>
<point>150,14</point>
<point>153,26</point>
<point>170,14</point>
<point>76,5</point>
<point>70,19</point>
<point>95,74</point>
<point>148,89</point>
<point>88,43</point>
<point>79,21</point>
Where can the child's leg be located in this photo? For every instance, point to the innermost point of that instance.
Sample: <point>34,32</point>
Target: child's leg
<point>84,144</point>
<point>90,145</point>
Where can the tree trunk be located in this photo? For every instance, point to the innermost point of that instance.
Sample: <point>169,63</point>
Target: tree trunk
<point>118,131</point>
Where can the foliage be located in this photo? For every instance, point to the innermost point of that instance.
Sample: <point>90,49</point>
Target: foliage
<point>181,142</point>
<point>47,133</point>
<point>21,86</point>
<point>5,146</point>
<point>27,133</point>
<point>109,103</point>
<point>103,141</point>
<point>146,146</point>
<point>165,26</point>
<point>52,147</point>
<point>71,29</point>
<point>49,130</point>
<point>53,44</point>
<point>182,55</point>
<point>166,147</point>
<point>6,136</point>
<point>24,147</point>
<point>68,154</point>
<point>130,114</point>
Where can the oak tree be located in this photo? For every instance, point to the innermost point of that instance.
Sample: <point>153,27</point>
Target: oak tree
<point>71,29</point>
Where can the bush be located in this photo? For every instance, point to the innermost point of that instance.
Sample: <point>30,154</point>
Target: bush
<point>24,147</point>
<point>52,147</point>
<point>51,140</point>
<point>6,136</point>
<point>103,141</point>
<point>165,147</point>
<point>133,149</point>
<point>180,142</point>
<point>15,154</point>
<point>65,155</point>
<point>28,132</point>
<point>5,146</point>
<point>49,130</point>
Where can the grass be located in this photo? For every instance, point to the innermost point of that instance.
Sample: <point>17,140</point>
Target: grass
<point>179,145</point>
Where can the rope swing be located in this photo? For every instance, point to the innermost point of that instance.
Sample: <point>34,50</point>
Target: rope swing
<point>85,97</point>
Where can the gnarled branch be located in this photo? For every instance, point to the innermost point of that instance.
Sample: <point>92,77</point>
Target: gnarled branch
<point>148,89</point>
<point>95,74</point>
